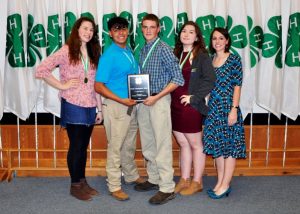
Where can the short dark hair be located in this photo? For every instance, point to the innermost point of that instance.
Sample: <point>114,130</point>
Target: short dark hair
<point>118,22</point>
<point>151,17</point>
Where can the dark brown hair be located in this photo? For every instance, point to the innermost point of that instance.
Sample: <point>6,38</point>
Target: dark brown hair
<point>151,17</point>
<point>225,33</point>
<point>74,43</point>
<point>198,46</point>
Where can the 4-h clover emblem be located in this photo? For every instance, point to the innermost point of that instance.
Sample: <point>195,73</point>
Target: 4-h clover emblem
<point>182,18</point>
<point>206,25</point>
<point>53,34</point>
<point>36,39</point>
<point>70,19</point>
<point>167,33</point>
<point>14,41</point>
<point>292,57</point>
<point>272,41</point>
<point>237,32</point>
<point>255,40</point>
<point>238,36</point>
<point>106,40</point>
<point>139,38</point>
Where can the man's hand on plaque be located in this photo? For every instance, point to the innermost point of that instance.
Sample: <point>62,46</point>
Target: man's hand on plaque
<point>129,102</point>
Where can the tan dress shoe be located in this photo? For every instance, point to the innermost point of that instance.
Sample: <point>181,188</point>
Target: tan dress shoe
<point>192,189</point>
<point>120,195</point>
<point>182,184</point>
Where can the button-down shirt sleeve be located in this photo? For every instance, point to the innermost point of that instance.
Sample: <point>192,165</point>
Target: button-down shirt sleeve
<point>171,65</point>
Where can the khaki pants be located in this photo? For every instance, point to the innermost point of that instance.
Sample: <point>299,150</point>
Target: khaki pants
<point>156,139</point>
<point>121,130</point>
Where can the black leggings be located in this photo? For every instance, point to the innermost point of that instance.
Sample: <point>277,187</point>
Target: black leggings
<point>79,137</point>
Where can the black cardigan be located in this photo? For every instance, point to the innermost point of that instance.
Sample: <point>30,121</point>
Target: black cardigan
<point>201,81</point>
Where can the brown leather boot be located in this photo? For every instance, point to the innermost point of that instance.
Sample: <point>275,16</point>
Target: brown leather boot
<point>86,187</point>
<point>182,184</point>
<point>77,191</point>
<point>192,189</point>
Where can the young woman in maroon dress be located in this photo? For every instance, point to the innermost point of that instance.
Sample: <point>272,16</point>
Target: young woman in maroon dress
<point>188,106</point>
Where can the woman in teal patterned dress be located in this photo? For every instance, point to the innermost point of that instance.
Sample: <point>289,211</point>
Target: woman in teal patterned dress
<point>223,134</point>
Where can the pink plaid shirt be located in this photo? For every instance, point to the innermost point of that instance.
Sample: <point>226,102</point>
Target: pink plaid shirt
<point>84,95</point>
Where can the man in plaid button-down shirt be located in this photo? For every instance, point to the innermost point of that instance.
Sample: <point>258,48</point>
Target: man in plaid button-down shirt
<point>154,115</point>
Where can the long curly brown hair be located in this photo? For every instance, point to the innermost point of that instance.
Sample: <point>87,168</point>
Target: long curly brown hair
<point>198,46</point>
<point>74,43</point>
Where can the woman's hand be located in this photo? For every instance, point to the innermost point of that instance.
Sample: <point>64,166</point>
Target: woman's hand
<point>51,80</point>
<point>232,116</point>
<point>99,117</point>
<point>72,83</point>
<point>185,99</point>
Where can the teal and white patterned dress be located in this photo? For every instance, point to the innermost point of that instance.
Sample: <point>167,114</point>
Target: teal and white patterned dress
<point>219,138</point>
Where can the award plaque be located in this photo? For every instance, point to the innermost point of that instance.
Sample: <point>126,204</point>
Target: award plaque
<point>138,86</point>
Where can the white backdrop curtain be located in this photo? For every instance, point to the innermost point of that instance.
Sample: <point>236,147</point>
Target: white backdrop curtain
<point>265,33</point>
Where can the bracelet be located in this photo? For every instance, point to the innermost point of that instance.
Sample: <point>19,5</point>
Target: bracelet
<point>235,107</point>
<point>99,111</point>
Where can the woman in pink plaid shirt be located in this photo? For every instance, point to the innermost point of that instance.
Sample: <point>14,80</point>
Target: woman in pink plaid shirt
<point>77,61</point>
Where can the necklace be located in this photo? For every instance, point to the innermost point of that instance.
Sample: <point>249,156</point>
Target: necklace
<point>149,53</point>
<point>130,58</point>
<point>86,67</point>
<point>186,57</point>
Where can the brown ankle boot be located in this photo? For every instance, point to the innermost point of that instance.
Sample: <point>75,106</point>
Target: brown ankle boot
<point>192,189</point>
<point>86,187</point>
<point>182,184</point>
<point>77,191</point>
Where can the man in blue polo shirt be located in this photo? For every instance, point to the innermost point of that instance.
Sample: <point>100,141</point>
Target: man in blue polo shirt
<point>119,111</point>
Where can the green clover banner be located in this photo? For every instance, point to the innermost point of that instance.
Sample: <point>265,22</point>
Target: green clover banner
<point>267,38</point>
<point>70,15</point>
<point>269,74</point>
<point>126,12</point>
<point>15,72</point>
<point>291,79</point>
<point>167,29</point>
<point>109,11</point>
<point>51,102</point>
<point>184,14</point>
<point>144,8</point>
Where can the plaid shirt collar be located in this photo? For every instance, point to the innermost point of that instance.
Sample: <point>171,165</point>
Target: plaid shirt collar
<point>149,44</point>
